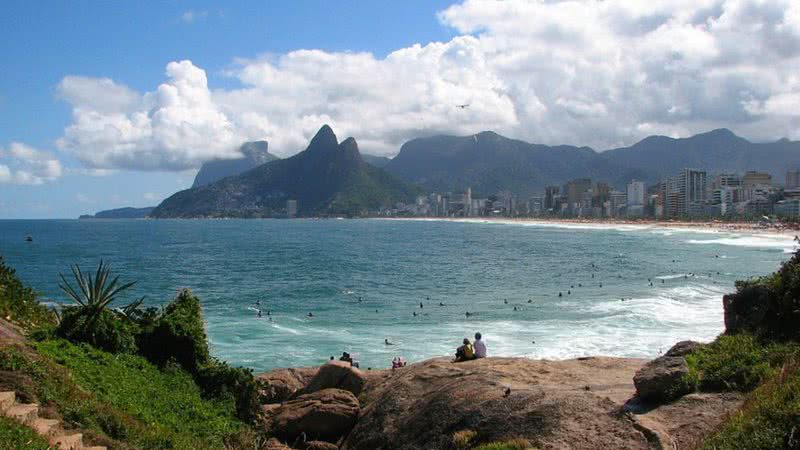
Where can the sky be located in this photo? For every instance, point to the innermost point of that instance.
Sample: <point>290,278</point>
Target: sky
<point>110,104</point>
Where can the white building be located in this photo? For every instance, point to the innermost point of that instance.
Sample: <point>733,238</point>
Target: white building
<point>636,193</point>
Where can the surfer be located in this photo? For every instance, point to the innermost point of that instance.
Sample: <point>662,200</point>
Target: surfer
<point>259,313</point>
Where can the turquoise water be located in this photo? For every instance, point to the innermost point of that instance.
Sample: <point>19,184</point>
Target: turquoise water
<point>324,266</point>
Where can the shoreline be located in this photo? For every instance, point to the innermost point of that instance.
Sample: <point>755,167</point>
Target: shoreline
<point>707,227</point>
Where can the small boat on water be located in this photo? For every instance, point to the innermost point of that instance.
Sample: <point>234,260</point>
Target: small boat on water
<point>29,238</point>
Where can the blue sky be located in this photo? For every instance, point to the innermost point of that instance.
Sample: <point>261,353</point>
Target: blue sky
<point>106,104</point>
<point>41,42</point>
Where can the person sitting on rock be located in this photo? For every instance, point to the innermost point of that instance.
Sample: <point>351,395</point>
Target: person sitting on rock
<point>346,358</point>
<point>480,346</point>
<point>465,352</point>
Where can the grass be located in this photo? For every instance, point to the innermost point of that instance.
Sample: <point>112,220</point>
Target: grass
<point>513,444</point>
<point>14,435</point>
<point>770,418</point>
<point>737,363</point>
<point>122,397</point>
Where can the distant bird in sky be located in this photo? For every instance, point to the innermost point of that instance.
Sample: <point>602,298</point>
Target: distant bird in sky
<point>463,106</point>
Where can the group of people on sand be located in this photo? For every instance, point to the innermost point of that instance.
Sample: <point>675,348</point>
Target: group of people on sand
<point>471,350</point>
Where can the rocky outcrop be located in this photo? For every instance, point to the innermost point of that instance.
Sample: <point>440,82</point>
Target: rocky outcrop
<point>573,404</point>
<point>662,379</point>
<point>336,375</point>
<point>281,384</point>
<point>325,415</point>
<point>683,348</point>
<point>579,404</point>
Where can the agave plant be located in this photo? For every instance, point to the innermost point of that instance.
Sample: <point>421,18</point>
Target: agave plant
<point>93,293</point>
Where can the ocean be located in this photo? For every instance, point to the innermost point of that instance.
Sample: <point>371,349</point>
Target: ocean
<point>411,282</point>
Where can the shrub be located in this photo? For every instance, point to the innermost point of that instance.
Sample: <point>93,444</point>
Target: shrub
<point>769,306</point>
<point>739,362</point>
<point>217,379</point>
<point>18,303</point>
<point>106,330</point>
<point>177,334</point>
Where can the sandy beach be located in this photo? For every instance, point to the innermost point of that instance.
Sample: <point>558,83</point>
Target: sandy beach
<point>750,228</point>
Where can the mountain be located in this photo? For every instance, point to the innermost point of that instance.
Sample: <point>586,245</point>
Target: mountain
<point>489,163</point>
<point>377,161</point>
<point>122,213</point>
<point>327,178</point>
<point>717,151</point>
<point>255,154</point>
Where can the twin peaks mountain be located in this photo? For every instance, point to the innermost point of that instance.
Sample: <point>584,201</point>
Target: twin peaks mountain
<point>327,178</point>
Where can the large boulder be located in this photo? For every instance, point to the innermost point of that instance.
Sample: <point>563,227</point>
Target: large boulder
<point>281,384</point>
<point>324,415</point>
<point>336,375</point>
<point>662,379</point>
<point>683,348</point>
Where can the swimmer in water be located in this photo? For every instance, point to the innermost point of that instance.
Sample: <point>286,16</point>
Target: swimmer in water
<point>505,300</point>
<point>415,314</point>
<point>441,304</point>
<point>515,308</point>
<point>467,313</point>
<point>569,292</point>
<point>259,313</point>
<point>559,294</point>
<point>258,302</point>
<point>386,341</point>
<point>530,301</point>
<point>359,299</point>
<point>420,305</point>
<point>310,315</point>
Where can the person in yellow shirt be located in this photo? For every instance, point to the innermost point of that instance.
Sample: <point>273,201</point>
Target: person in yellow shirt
<point>465,352</point>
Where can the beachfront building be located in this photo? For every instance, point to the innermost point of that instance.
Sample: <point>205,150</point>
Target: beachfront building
<point>635,198</point>
<point>788,208</point>
<point>792,179</point>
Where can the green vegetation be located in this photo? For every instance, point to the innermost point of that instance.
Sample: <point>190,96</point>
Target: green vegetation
<point>168,398</point>
<point>121,397</point>
<point>91,321</point>
<point>737,363</point>
<point>761,351</point>
<point>15,436</point>
<point>769,420</point>
<point>18,303</point>
<point>513,444</point>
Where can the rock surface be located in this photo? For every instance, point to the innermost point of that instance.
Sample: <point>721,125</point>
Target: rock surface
<point>325,415</point>
<point>683,348</point>
<point>336,375</point>
<point>281,384</point>
<point>662,379</point>
<point>575,404</point>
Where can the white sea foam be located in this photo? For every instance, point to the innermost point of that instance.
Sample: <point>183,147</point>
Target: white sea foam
<point>784,243</point>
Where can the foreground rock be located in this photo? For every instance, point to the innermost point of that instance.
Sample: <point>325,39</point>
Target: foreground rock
<point>325,415</point>
<point>662,379</point>
<point>336,375</point>
<point>574,404</point>
<point>281,384</point>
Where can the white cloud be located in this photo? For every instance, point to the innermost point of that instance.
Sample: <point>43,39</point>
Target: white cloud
<point>582,72</point>
<point>22,164</point>
<point>192,16</point>
<point>175,127</point>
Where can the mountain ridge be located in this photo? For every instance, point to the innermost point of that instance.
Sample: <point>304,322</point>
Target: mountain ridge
<point>327,178</point>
